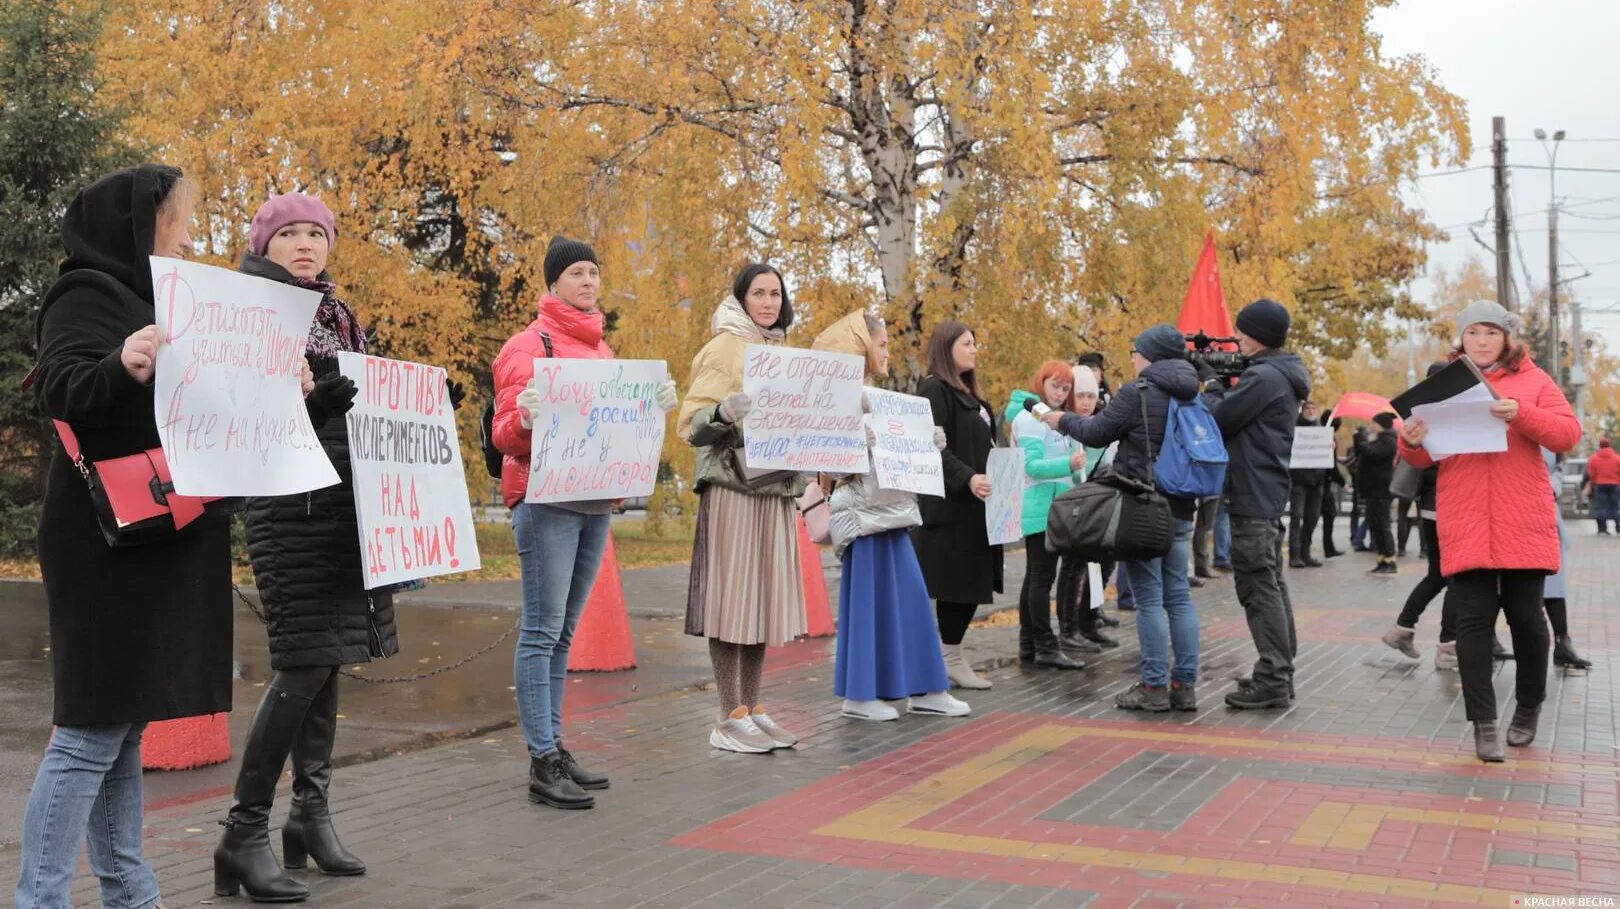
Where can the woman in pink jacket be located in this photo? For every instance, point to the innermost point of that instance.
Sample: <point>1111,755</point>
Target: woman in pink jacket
<point>1497,524</point>
<point>559,544</point>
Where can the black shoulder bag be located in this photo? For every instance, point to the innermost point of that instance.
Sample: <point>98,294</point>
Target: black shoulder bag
<point>1112,517</point>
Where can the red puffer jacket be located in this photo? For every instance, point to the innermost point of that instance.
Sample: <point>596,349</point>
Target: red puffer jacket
<point>1497,510</point>
<point>574,333</point>
<point>1603,468</point>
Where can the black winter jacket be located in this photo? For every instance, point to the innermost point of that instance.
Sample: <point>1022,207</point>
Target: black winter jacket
<point>1121,421</point>
<point>306,558</point>
<point>1257,420</point>
<point>1375,465</point>
<point>953,546</point>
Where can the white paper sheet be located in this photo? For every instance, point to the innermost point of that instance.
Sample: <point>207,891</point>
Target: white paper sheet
<point>1462,425</point>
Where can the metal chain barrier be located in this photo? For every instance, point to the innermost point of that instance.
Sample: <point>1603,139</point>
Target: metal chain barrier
<point>401,679</point>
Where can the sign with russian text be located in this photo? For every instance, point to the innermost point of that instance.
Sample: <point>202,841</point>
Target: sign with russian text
<point>1313,448</point>
<point>807,410</point>
<point>903,452</point>
<point>229,402</point>
<point>599,430</point>
<point>410,489</point>
<point>1004,510</point>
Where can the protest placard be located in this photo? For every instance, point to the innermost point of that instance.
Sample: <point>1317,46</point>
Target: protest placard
<point>410,490</point>
<point>230,410</point>
<point>807,411</point>
<point>1004,510</point>
<point>599,430</point>
<point>903,452</point>
<point>1313,448</point>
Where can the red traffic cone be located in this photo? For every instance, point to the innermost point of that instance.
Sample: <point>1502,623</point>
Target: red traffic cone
<point>602,641</point>
<point>193,741</point>
<point>818,619</point>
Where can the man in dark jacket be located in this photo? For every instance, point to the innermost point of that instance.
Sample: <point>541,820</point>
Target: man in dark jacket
<point>1375,467</point>
<point>1304,501</point>
<point>1257,419</point>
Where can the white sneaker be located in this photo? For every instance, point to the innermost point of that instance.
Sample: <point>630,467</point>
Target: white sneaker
<point>938,703</point>
<point>869,710</point>
<point>1445,655</point>
<point>779,736</point>
<point>738,733</point>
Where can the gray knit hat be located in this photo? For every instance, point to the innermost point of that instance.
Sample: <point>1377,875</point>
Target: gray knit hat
<point>1487,311</point>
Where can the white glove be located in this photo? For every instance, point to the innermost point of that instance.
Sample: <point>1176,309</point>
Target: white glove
<point>735,407</point>
<point>528,404</point>
<point>666,399</point>
<point>939,438</point>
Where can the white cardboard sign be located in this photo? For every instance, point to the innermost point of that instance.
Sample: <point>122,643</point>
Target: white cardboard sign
<point>903,452</point>
<point>599,432</point>
<point>807,410</point>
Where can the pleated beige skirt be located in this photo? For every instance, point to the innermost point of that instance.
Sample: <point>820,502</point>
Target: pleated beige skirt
<point>745,586</point>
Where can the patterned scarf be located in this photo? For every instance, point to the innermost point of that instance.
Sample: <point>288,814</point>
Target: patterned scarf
<point>336,327</point>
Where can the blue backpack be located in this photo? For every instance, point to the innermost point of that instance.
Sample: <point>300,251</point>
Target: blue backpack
<point>1192,461</point>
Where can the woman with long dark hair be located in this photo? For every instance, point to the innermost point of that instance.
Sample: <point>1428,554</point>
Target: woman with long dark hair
<point>962,568</point>
<point>1498,529</point>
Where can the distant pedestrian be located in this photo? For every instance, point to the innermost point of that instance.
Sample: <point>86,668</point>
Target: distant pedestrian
<point>1332,495</point>
<point>1304,501</point>
<point>1602,480</point>
<point>1498,531</point>
<point>1375,468</point>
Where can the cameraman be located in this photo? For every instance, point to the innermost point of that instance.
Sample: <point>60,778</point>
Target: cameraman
<point>1257,418</point>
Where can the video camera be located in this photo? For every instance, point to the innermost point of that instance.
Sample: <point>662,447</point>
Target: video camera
<point>1225,364</point>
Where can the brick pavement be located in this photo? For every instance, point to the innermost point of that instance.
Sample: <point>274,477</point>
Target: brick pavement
<point>1366,793</point>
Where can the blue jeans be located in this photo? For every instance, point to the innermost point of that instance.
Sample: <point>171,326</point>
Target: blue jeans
<point>1223,538</point>
<point>1165,619</point>
<point>88,789</point>
<point>559,551</point>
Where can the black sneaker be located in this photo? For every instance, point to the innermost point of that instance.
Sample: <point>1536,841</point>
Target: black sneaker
<point>1103,641</point>
<point>1078,643</point>
<point>1151,698</point>
<point>1384,568</point>
<point>1103,618</point>
<point>1258,697</point>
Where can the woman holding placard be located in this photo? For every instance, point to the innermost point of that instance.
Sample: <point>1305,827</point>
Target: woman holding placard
<point>745,591</point>
<point>1498,527</point>
<point>888,649</point>
<point>138,633</point>
<point>307,563</point>
<point>962,569</point>
<point>559,544</point>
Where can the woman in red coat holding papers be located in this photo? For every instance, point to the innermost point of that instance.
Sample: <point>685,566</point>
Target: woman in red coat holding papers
<point>559,544</point>
<point>1498,529</point>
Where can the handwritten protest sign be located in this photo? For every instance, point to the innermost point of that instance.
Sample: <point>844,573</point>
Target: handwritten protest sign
<point>1313,448</point>
<point>1004,510</point>
<point>410,491</point>
<point>807,411</point>
<point>598,433</point>
<point>230,410</point>
<point>903,452</point>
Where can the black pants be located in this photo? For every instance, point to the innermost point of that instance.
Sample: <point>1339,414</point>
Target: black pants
<point>1330,510</point>
<point>954,619</point>
<point>1035,598</point>
<point>1430,587</point>
<point>1304,510</point>
<point>1377,518</point>
<point>1263,593</point>
<point>1073,596</point>
<point>1403,523</point>
<point>1479,595</point>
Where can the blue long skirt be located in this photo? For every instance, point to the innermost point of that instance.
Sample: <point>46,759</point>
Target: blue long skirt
<point>888,641</point>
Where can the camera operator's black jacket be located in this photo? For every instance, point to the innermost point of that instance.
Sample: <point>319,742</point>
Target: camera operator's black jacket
<point>1121,421</point>
<point>1257,419</point>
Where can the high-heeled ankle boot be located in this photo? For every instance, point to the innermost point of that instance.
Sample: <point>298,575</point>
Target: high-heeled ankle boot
<point>308,833</point>
<point>1487,743</point>
<point>243,859</point>
<point>1564,655</point>
<point>1521,730</point>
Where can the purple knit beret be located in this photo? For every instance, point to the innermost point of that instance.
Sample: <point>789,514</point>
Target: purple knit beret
<point>281,211</point>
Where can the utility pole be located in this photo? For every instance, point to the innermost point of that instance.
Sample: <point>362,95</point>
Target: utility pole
<point>1554,361</point>
<point>1577,368</point>
<point>1504,273</point>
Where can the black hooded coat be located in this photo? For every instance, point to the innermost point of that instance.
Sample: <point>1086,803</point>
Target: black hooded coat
<point>140,633</point>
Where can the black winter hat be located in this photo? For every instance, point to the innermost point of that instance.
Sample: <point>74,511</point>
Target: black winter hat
<point>1384,419</point>
<point>1264,320</point>
<point>563,252</point>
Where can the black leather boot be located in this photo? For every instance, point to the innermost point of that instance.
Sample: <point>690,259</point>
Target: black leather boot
<point>1090,630</point>
<point>1048,652</point>
<point>585,779</point>
<point>1564,655</point>
<point>549,784</point>
<point>243,859</point>
<point>1522,729</point>
<point>309,832</point>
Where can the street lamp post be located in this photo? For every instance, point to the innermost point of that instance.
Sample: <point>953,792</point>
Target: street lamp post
<point>1554,361</point>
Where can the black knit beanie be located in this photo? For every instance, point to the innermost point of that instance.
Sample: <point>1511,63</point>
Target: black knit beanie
<point>563,252</point>
<point>1265,321</point>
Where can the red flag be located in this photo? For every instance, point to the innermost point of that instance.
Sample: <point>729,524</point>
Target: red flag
<point>1204,308</point>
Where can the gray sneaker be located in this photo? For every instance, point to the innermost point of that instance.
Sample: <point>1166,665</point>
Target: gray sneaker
<point>1183,696</point>
<point>1151,698</point>
<point>738,733</point>
<point>777,734</point>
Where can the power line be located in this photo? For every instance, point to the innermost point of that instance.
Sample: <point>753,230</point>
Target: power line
<point>1533,139</point>
<point>1576,170</point>
<point>1449,173</point>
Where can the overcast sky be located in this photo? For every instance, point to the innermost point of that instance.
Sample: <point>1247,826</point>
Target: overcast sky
<point>1548,64</point>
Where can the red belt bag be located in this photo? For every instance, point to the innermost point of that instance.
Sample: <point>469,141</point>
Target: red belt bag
<point>133,495</point>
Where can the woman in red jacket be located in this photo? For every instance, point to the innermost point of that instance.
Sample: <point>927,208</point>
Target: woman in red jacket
<point>559,544</point>
<point>1498,525</point>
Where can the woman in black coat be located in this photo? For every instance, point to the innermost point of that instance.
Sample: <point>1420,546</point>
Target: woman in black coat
<point>960,566</point>
<point>307,562</point>
<point>140,633</point>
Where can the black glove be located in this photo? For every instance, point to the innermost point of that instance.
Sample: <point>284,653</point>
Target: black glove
<point>331,397</point>
<point>456,392</point>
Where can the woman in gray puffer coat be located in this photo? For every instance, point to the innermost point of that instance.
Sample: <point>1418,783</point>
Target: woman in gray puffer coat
<point>888,645</point>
